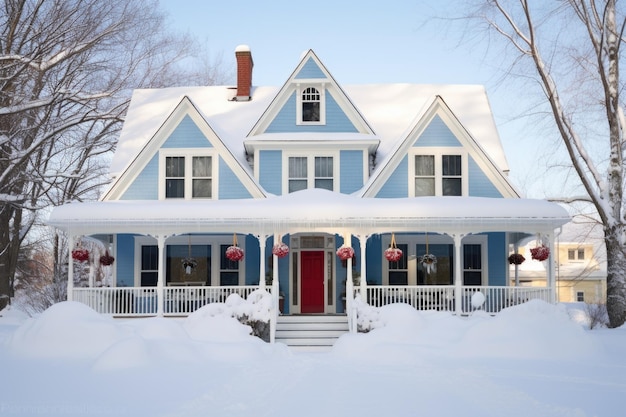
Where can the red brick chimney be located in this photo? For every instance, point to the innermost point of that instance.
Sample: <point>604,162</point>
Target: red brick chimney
<point>244,72</point>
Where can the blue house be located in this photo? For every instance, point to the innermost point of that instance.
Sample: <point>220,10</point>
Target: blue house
<point>312,182</point>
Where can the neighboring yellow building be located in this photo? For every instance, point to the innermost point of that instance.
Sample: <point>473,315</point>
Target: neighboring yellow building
<point>580,266</point>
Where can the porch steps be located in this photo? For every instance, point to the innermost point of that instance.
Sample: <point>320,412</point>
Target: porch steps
<point>310,332</point>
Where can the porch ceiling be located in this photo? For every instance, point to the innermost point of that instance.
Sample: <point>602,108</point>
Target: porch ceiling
<point>311,211</point>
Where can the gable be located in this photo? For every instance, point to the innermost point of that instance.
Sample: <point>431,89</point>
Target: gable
<point>438,132</point>
<point>187,135</point>
<point>184,131</point>
<point>310,69</point>
<point>335,111</point>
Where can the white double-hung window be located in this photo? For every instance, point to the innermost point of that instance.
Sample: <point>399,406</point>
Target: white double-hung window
<point>438,174</point>
<point>310,172</point>
<point>186,175</point>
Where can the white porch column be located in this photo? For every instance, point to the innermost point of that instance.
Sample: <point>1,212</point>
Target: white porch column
<point>550,269</point>
<point>262,243</point>
<point>458,274</point>
<point>70,268</point>
<point>161,275</point>
<point>363,281</point>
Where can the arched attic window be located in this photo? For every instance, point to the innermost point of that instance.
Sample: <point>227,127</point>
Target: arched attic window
<point>311,104</point>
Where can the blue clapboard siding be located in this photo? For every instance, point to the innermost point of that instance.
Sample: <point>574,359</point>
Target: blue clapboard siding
<point>230,186</point>
<point>145,186</point>
<point>351,171</point>
<point>498,263</point>
<point>125,260</point>
<point>437,134</point>
<point>187,135</point>
<point>396,185</point>
<point>270,171</point>
<point>310,70</point>
<point>252,259</point>
<point>479,183</point>
<point>336,119</point>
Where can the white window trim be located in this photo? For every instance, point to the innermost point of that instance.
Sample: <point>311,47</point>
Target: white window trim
<point>322,90</point>
<point>310,170</point>
<point>413,240</point>
<point>188,154</point>
<point>214,241</point>
<point>438,153</point>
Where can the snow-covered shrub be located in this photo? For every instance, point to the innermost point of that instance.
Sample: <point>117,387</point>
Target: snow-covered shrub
<point>255,311</point>
<point>367,316</point>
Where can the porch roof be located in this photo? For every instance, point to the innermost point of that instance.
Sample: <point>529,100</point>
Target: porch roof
<point>312,210</point>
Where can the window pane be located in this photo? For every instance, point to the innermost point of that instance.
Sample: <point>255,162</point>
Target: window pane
<point>424,186</point>
<point>424,165</point>
<point>401,263</point>
<point>229,278</point>
<point>311,112</point>
<point>175,166</point>
<point>297,185</point>
<point>324,184</point>
<point>149,257</point>
<point>581,254</point>
<point>297,167</point>
<point>226,263</point>
<point>148,279</point>
<point>324,166</point>
<point>471,257</point>
<point>398,278</point>
<point>571,254</point>
<point>451,165</point>
<point>472,278</point>
<point>451,186</point>
<point>201,188</point>
<point>201,166</point>
<point>174,188</point>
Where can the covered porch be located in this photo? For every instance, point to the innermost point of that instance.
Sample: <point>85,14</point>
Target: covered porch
<point>348,219</point>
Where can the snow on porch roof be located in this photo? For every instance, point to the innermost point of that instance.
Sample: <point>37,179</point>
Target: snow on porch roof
<point>311,210</point>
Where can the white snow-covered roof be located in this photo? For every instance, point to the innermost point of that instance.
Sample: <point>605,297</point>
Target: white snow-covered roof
<point>390,109</point>
<point>310,211</point>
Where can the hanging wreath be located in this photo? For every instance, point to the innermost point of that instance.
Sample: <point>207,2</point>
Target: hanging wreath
<point>516,259</point>
<point>189,264</point>
<point>80,255</point>
<point>280,249</point>
<point>345,252</point>
<point>234,252</point>
<point>540,253</point>
<point>106,259</point>
<point>393,253</point>
<point>428,261</point>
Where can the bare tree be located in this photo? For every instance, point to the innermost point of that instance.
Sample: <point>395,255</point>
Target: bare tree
<point>67,69</point>
<point>573,48</point>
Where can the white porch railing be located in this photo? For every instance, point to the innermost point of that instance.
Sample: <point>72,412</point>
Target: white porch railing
<point>444,298</point>
<point>143,301</point>
<point>122,301</point>
<point>186,300</point>
<point>181,301</point>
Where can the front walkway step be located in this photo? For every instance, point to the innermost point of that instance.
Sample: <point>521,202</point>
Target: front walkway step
<point>310,332</point>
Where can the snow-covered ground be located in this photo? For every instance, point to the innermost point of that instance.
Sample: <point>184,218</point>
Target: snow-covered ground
<point>531,360</point>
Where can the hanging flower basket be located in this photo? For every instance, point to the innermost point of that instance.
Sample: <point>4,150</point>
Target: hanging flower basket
<point>189,264</point>
<point>234,252</point>
<point>80,255</point>
<point>516,259</point>
<point>280,249</point>
<point>393,253</point>
<point>344,253</point>
<point>540,253</point>
<point>106,259</point>
<point>429,263</point>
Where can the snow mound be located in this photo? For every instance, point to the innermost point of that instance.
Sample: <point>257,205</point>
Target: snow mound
<point>66,330</point>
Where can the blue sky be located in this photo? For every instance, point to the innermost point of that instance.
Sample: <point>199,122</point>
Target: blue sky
<point>366,42</point>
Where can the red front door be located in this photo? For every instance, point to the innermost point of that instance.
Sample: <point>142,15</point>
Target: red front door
<point>312,275</point>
